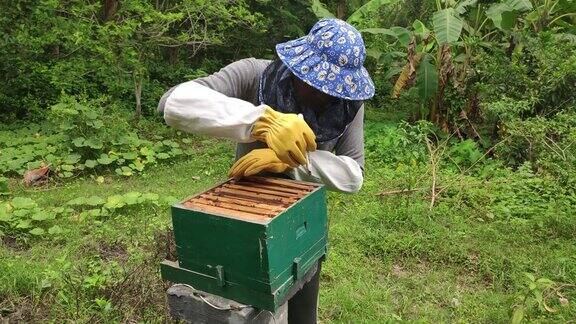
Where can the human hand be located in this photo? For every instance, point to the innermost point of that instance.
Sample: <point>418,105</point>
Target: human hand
<point>257,161</point>
<point>287,135</point>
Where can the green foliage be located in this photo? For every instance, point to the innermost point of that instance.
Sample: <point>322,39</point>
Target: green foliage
<point>319,9</point>
<point>366,10</point>
<point>546,143</point>
<point>132,51</point>
<point>559,15</point>
<point>91,282</point>
<point>462,6</point>
<point>426,79</point>
<point>538,294</point>
<point>425,68</point>
<point>404,146</point>
<point>490,72</point>
<point>447,26</point>
<point>400,33</point>
<point>465,153</point>
<point>22,217</point>
<point>85,136</point>
<point>528,100</point>
<point>503,14</point>
<point>534,81</point>
<point>394,145</point>
<point>95,207</point>
<point>4,186</point>
<point>26,147</point>
<point>357,17</point>
<point>522,198</point>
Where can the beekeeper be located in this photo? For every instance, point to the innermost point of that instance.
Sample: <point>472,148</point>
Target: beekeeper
<point>300,114</point>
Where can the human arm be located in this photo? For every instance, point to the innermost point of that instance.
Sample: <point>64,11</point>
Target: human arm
<point>343,169</point>
<point>195,108</point>
<point>217,105</point>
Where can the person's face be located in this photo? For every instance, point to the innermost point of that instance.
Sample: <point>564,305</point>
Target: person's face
<point>308,96</point>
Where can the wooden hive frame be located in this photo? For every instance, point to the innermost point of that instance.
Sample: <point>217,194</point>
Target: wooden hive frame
<point>255,199</point>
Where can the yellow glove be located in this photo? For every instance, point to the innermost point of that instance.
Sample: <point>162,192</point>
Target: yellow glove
<point>286,134</point>
<point>257,161</point>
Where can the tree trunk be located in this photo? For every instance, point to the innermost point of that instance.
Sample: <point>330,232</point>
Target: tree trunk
<point>342,10</point>
<point>511,46</point>
<point>110,9</point>
<point>173,54</point>
<point>433,115</point>
<point>56,51</point>
<point>138,96</point>
<point>439,113</point>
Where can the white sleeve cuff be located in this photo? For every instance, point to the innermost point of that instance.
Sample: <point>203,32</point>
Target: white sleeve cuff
<point>339,173</point>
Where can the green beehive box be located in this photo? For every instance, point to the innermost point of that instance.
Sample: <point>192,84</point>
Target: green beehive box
<point>249,240</point>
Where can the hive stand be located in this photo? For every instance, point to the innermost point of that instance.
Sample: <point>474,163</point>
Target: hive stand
<point>196,307</point>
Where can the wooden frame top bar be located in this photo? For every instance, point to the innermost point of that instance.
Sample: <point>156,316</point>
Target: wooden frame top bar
<point>257,199</point>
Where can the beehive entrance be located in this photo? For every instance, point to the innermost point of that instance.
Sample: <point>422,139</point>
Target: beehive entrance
<point>255,198</point>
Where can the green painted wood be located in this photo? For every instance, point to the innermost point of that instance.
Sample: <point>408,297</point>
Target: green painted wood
<point>205,241</point>
<point>172,271</point>
<point>304,225</point>
<point>249,262</point>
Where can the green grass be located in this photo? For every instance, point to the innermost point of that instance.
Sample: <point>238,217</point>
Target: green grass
<point>135,239</point>
<point>391,258</point>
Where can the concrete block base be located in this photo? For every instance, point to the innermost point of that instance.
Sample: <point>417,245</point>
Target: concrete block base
<point>197,307</point>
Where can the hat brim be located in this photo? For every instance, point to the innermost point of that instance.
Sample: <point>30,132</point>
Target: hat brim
<point>337,81</point>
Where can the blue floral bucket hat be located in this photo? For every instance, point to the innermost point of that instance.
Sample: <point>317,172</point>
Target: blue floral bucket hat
<point>330,58</point>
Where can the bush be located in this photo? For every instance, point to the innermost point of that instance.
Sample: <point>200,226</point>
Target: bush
<point>80,47</point>
<point>83,135</point>
<point>547,143</point>
<point>537,80</point>
<point>398,144</point>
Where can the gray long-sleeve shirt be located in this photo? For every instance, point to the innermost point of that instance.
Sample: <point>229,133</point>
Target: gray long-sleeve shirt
<point>337,163</point>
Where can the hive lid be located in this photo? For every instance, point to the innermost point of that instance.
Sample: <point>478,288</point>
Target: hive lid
<point>255,199</point>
